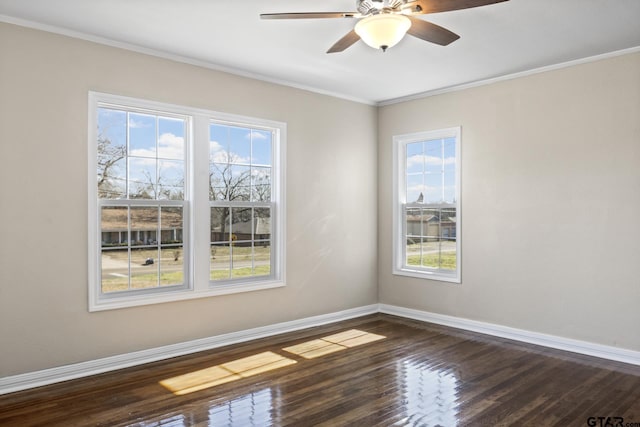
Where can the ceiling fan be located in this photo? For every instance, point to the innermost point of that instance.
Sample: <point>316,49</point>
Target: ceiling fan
<point>383,23</point>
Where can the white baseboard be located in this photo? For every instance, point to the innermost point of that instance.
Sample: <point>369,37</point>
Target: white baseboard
<point>83,369</point>
<point>77,370</point>
<point>552,341</point>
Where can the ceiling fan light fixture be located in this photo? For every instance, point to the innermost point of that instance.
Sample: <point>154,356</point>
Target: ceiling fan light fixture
<point>383,30</point>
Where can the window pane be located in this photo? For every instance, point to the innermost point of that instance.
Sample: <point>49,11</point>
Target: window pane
<point>413,220</point>
<point>239,145</point>
<point>431,253</point>
<point>220,261</point>
<point>220,226</point>
<point>431,222</point>
<point>144,226</point>
<point>229,182</point>
<point>415,157</point>
<point>171,225</point>
<point>260,184</point>
<point>238,188</point>
<point>450,186</point>
<point>415,188</point>
<point>262,224</point>
<point>142,135</point>
<point>142,178</point>
<point>413,251</point>
<point>450,154</point>
<point>112,126</point>
<point>433,183</point>
<point>111,174</point>
<point>241,224</point>
<point>242,262</point>
<point>219,176</point>
<point>115,270</point>
<point>144,268</point>
<point>448,238</point>
<point>218,143</point>
<point>112,178</point>
<point>171,266</point>
<point>171,179</point>
<point>171,134</point>
<point>262,258</point>
<point>448,228</point>
<point>433,153</point>
<point>260,147</point>
<point>111,150</point>
<point>448,255</point>
<point>114,226</point>
<point>115,253</point>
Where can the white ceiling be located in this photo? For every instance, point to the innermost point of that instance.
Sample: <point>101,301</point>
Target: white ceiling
<point>496,40</point>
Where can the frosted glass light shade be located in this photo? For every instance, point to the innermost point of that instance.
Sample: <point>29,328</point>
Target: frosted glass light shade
<point>382,31</point>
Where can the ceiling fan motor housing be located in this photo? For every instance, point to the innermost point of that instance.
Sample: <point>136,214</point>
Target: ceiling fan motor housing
<point>372,7</point>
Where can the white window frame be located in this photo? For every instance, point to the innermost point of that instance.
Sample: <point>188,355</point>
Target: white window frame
<point>399,267</point>
<point>196,208</point>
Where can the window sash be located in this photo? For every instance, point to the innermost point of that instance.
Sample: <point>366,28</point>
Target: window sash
<point>423,234</point>
<point>185,245</point>
<point>272,255</point>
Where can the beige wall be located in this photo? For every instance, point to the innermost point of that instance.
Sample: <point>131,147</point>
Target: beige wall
<point>44,81</point>
<point>550,202</point>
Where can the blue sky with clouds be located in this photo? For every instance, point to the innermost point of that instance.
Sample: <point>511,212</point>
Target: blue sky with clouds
<point>156,144</point>
<point>431,170</point>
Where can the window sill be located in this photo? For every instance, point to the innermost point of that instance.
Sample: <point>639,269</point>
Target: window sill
<point>429,275</point>
<point>180,295</point>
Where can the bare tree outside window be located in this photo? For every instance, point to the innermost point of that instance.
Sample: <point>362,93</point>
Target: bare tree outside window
<point>111,162</point>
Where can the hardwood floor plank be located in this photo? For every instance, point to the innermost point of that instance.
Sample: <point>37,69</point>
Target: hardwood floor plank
<point>381,371</point>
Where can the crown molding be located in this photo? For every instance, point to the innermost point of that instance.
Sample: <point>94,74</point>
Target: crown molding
<point>176,58</point>
<point>506,77</point>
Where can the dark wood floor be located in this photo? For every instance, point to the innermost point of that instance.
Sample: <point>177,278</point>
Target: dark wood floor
<point>376,370</point>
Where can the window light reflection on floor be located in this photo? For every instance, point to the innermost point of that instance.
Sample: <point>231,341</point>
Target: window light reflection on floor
<point>252,409</point>
<point>332,343</point>
<point>225,372</point>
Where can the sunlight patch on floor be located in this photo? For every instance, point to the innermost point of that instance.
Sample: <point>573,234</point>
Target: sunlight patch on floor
<point>332,343</point>
<point>226,372</point>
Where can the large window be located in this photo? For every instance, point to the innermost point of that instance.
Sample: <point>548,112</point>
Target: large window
<point>162,179</point>
<point>427,205</point>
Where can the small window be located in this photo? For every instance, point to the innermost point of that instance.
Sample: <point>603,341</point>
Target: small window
<point>427,205</point>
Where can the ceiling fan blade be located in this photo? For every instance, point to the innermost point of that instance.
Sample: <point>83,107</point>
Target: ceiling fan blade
<point>431,32</point>
<point>344,42</point>
<point>435,6</point>
<point>308,15</point>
